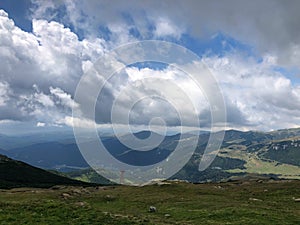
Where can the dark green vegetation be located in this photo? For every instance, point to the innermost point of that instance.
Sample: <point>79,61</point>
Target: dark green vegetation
<point>239,202</point>
<point>88,175</point>
<point>18,174</point>
<point>274,154</point>
<point>286,151</point>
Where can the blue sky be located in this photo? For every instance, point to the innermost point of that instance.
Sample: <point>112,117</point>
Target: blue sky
<point>251,48</point>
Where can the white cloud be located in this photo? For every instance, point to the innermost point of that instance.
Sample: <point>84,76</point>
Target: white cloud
<point>45,100</point>
<point>172,74</point>
<point>4,91</point>
<point>165,27</point>
<point>267,99</point>
<point>64,98</point>
<point>78,122</point>
<point>53,58</point>
<point>40,70</point>
<point>269,26</point>
<point>40,124</point>
<point>45,8</point>
<point>120,34</point>
<point>55,35</point>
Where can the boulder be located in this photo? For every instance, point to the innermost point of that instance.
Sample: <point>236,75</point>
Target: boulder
<point>152,209</point>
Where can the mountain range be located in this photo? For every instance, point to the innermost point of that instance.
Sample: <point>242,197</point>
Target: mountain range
<point>274,154</point>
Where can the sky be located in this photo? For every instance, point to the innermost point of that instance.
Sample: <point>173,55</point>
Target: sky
<point>252,48</point>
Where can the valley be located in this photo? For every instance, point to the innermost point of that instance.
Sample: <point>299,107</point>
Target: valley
<point>274,154</point>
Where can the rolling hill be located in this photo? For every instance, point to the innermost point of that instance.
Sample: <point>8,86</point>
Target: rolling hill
<point>18,174</point>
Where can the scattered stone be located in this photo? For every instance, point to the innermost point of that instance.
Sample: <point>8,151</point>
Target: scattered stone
<point>76,191</point>
<point>167,215</point>
<point>255,199</point>
<point>152,209</point>
<point>80,204</point>
<point>159,182</point>
<point>120,216</point>
<point>58,187</point>
<point>245,183</point>
<point>66,195</point>
<point>86,191</point>
<point>296,199</point>
<point>100,188</point>
<point>109,198</point>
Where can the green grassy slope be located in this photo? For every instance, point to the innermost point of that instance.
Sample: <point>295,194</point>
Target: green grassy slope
<point>240,202</point>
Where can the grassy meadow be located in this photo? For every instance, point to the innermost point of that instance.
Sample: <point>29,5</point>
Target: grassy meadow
<point>238,202</point>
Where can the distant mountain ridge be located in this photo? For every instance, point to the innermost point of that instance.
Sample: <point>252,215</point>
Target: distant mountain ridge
<point>50,155</point>
<point>275,154</point>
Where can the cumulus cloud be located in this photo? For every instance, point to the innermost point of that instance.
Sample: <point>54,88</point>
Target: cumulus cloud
<point>64,98</point>
<point>264,98</point>
<point>40,70</point>
<point>45,100</point>
<point>39,124</point>
<point>270,26</point>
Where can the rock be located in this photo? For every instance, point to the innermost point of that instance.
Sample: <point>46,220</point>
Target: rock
<point>66,195</point>
<point>109,198</point>
<point>76,191</point>
<point>80,204</point>
<point>167,215</point>
<point>58,187</point>
<point>152,209</point>
<point>296,199</point>
<point>255,199</point>
<point>86,191</point>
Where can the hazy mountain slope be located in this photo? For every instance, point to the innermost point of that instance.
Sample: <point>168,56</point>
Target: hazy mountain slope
<point>3,152</point>
<point>135,157</point>
<point>284,133</point>
<point>241,153</point>
<point>17,141</point>
<point>284,151</point>
<point>50,155</point>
